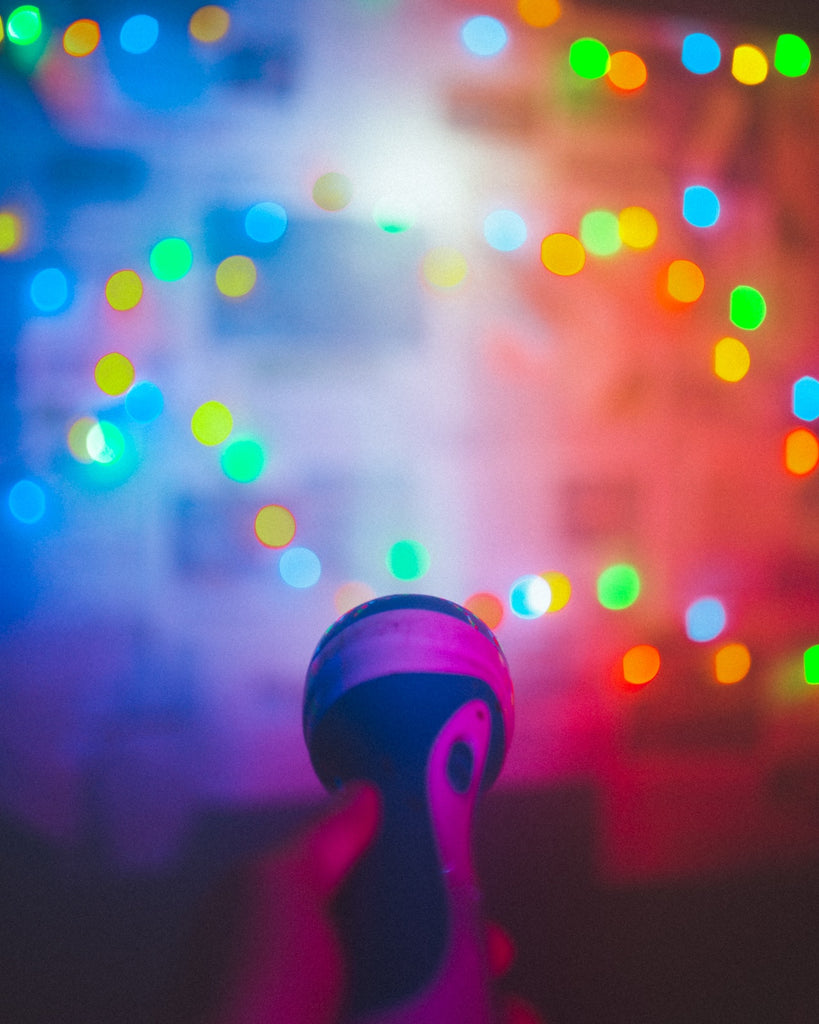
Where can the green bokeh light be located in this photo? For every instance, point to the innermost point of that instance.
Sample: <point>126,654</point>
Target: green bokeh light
<point>243,460</point>
<point>747,307</point>
<point>171,259</point>
<point>618,586</point>
<point>408,560</point>
<point>589,58</point>
<point>24,25</point>
<point>600,232</point>
<point>792,55</point>
<point>811,664</point>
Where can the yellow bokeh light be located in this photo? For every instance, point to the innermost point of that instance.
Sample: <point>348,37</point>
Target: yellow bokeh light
<point>444,267</point>
<point>539,13</point>
<point>749,65</point>
<point>641,664</point>
<point>11,232</point>
<point>236,276</point>
<point>685,281</point>
<point>350,595</point>
<point>638,227</point>
<point>801,452</point>
<point>123,290</point>
<point>732,663</point>
<point>627,71</point>
<point>209,24</point>
<point>114,373</point>
<point>275,526</point>
<point>78,438</point>
<point>332,191</point>
<point>561,589</point>
<point>562,254</point>
<point>732,360</point>
<point>211,423</point>
<point>81,37</point>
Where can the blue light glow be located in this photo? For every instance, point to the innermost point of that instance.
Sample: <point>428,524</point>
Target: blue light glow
<point>504,230</point>
<point>139,33</point>
<point>27,502</point>
<point>700,53</point>
<point>805,399</point>
<point>705,619</point>
<point>300,567</point>
<point>49,290</point>
<point>144,402</point>
<point>700,206</point>
<point>484,36</point>
<point>530,597</point>
<point>266,222</point>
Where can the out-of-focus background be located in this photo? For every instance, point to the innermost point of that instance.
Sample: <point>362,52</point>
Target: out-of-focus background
<point>515,304</point>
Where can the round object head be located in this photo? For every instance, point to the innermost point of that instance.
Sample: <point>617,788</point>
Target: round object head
<point>405,641</point>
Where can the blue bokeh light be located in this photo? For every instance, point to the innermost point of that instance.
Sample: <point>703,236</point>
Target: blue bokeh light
<point>530,597</point>
<point>805,399</point>
<point>700,206</point>
<point>705,619</point>
<point>49,290</point>
<point>504,230</point>
<point>266,222</point>
<point>139,33</point>
<point>144,402</point>
<point>484,36</point>
<point>27,502</point>
<point>300,567</point>
<point>701,53</point>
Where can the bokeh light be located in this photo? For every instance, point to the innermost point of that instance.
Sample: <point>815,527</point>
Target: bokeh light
<point>243,460</point>
<point>749,64</point>
<point>266,222</point>
<point>24,25</point>
<point>144,402</point>
<point>685,281</point>
<point>801,451</point>
<point>77,438</point>
<point>705,619</point>
<point>139,34</point>
<point>641,664</point>
<point>805,399</point>
<point>408,560</point>
<point>332,191</point>
<point>747,307</point>
<point>236,276</point>
<point>561,588</point>
<point>209,24</point>
<point>563,254</point>
<point>732,663</point>
<point>105,443</point>
<point>488,608</point>
<point>530,596</point>
<point>211,423</point>
<point>123,290</point>
<point>114,373</point>
<point>484,36</point>
<point>393,215</point>
<point>12,231</point>
<point>627,71</point>
<point>49,290</point>
<point>732,360</point>
<point>504,230</point>
<point>618,586</point>
<point>600,232</point>
<point>701,53</point>
<point>589,58</point>
<point>171,259</point>
<point>539,13</point>
<point>810,665</point>
<point>300,567</point>
<point>444,267</point>
<point>638,227</point>
<point>81,37</point>
<point>27,502</point>
<point>700,206</point>
<point>792,55</point>
<point>350,595</point>
<point>275,526</point>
